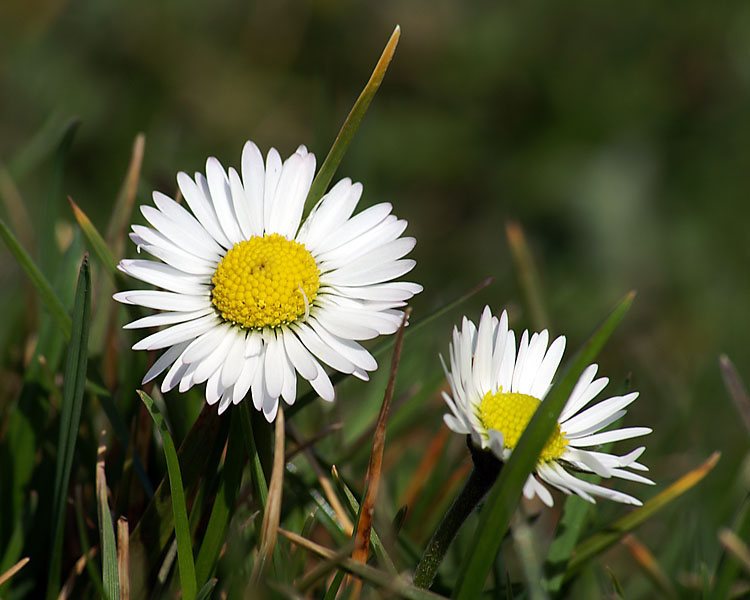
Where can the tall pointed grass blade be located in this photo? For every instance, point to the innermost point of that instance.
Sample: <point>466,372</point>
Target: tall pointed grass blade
<point>185,559</point>
<point>46,292</point>
<point>118,223</point>
<point>70,417</point>
<point>599,542</point>
<point>503,499</point>
<point>110,573</point>
<point>349,128</point>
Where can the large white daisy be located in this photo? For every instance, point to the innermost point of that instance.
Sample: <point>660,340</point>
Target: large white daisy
<point>495,391</point>
<point>250,297</point>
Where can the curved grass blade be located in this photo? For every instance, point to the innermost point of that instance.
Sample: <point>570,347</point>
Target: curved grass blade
<point>48,257</point>
<point>46,292</point>
<point>70,418</point>
<point>349,128</point>
<point>110,573</point>
<point>503,499</point>
<point>182,527</point>
<point>97,243</point>
<point>599,542</point>
<point>224,503</point>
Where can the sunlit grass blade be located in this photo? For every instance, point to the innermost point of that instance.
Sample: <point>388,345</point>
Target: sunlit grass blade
<point>224,503</point>
<point>736,388</point>
<point>46,292</point>
<point>377,544</point>
<point>348,129</point>
<point>110,573</point>
<point>503,499</point>
<point>528,275</point>
<point>123,557</point>
<point>651,567</point>
<point>70,417</point>
<point>185,560</point>
<point>375,466</point>
<point>728,569</point>
<point>386,345</point>
<point>13,570</point>
<point>95,240</point>
<point>396,585</point>
<point>599,542</point>
<point>272,512</point>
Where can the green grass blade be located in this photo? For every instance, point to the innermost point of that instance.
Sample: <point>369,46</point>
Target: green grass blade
<point>528,275</point>
<point>181,525</point>
<point>110,572</point>
<point>46,292</point>
<point>205,592</point>
<point>729,566</point>
<point>599,542</point>
<point>70,417</point>
<point>503,499</point>
<point>224,503</point>
<point>349,128</point>
<point>260,485</point>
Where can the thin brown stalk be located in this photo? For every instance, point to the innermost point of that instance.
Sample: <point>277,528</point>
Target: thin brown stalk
<point>13,570</point>
<point>123,557</point>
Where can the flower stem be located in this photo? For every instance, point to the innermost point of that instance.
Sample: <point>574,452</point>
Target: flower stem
<point>486,469</point>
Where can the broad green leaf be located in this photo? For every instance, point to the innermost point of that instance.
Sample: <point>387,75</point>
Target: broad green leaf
<point>181,525</point>
<point>70,417</point>
<point>599,542</point>
<point>349,128</point>
<point>503,499</point>
<point>46,292</point>
<point>110,572</point>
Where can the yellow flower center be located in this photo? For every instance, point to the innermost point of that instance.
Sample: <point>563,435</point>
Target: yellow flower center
<point>265,282</point>
<point>509,413</point>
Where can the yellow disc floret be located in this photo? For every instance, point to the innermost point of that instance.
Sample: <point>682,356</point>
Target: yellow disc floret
<point>509,413</point>
<point>265,282</point>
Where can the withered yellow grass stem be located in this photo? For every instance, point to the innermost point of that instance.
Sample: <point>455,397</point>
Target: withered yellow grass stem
<point>14,569</point>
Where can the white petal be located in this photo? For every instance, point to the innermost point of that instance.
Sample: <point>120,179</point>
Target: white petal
<point>347,324</point>
<point>163,300</point>
<point>198,198</point>
<point>584,391</point>
<point>497,442</point>
<point>274,370</point>
<point>610,436</point>
<point>205,344</point>
<point>221,196</point>
<point>323,351</point>
<point>214,389</point>
<point>240,205</point>
<point>548,368</point>
<point>395,291</point>
<point>176,334</point>
<point>270,408</point>
<point>299,355</point>
<point>523,350</point>
<point>167,318</point>
<point>329,214</point>
<point>291,192</point>
<point>483,355</point>
<point>376,274</point>
<point>598,413</point>
<point>322,384</point>
<point>212,363</point>
<point>165,276</point>
<point>190,237</point>
<point>273,172</point>
<point>349,349</point>
<point>253,179</point>
<point>354,227</point>
<point>226,400</point>
<point>165,360</point>
<point>174,256</point>
<point>235,361</point>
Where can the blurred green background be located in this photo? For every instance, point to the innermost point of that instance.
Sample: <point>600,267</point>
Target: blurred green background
<point>615,134</point>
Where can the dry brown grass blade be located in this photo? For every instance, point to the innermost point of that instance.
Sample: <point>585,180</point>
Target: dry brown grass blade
<point>123,557</point>
<point>734,544</point>
<point>13,570</point>
<point>650,565</point>
<point>270,525</point>
<point>372,481</point>
<point>324,481</point>
<point>527,274</point>
<point>77,570</point>
<point>425,467</point>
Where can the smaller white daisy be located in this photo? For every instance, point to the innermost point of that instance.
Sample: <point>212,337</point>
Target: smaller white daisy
<point>495,391</point>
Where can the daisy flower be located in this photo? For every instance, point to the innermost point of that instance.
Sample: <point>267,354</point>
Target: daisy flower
<point>495,391</point>
<point>250,298</point>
